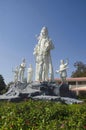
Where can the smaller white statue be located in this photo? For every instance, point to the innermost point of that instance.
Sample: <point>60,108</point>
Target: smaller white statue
<point>16,73</point>
<point>29,74</point>
<point>63,70</point>
<point>22,70</point>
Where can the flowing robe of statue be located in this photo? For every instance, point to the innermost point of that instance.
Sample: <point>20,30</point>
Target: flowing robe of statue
<point>22,70</point>
<point>29,74</point>
<point>36,52</point>
<point>43,57</point>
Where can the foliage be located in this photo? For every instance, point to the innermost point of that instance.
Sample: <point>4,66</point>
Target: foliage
<point>2,84</point>
<point>80,69</point>
<point>41,115</point>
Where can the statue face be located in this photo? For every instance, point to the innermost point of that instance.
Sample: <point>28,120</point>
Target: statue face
<point>23,60</point>
<point>62,61</point>
<point>44,31</point>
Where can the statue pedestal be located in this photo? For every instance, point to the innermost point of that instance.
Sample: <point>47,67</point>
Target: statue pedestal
<point>65,92</point>
<point>40,91</point>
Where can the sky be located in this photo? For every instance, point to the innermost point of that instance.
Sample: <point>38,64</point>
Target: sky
<point>22,20</point>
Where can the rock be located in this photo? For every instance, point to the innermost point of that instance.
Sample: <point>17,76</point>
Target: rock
<point>40,91</point>
<point>65,92</point>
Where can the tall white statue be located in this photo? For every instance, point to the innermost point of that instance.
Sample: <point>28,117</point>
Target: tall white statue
<point>22,70</point>
<point>43,58</point>
<point>63,70</point>
<point>16,73</point>
<point>29,74</point>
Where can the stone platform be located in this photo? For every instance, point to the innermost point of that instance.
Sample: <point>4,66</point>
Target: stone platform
<point>40,91</point>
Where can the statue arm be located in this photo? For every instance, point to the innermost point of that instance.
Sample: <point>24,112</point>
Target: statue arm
<point>36,50</point>
<point>60,70</point>
<point>57,71</point>
<point>67,62</point>
<point>51,44</point>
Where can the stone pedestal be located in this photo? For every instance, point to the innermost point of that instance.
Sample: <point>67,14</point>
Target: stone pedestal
<point>65,92</point>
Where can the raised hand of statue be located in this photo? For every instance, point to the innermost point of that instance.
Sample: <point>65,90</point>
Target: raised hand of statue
<point>67,61</point>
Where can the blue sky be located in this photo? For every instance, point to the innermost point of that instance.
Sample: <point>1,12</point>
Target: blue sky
<point>21,20</point>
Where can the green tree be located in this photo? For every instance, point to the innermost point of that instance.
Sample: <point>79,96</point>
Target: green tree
<point>2,84</point>
<point>80,69</point>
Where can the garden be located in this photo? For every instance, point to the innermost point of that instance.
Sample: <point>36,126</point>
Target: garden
<point>42,115</point>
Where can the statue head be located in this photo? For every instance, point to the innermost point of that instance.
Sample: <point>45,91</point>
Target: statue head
<point>23,60</point>
<point>62,61</point>
<point>44,32</point>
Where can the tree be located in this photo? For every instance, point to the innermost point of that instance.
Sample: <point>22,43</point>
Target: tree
<point>80,69</point>
<point>2,84</point>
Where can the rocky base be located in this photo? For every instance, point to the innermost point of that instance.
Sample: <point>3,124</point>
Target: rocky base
<point>40,91</point>
<point>65,92</point>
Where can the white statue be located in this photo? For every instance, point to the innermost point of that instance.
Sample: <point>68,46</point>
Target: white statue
<point>22,70</point>
<point>29,74</point>
<point>16,73</point>
<point>43,57</point>
<point>36,53</point>
<point>63,70</point>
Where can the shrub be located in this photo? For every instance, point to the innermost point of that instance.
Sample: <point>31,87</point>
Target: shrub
<point>42,115</point>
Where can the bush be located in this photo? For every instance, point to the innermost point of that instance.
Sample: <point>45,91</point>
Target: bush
<point>41,115</point>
